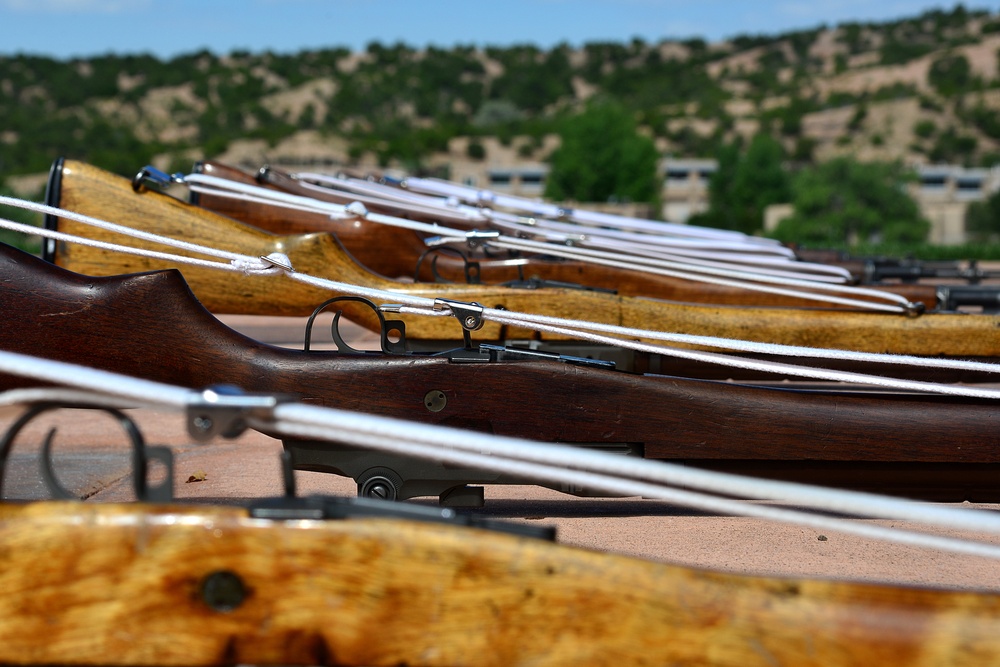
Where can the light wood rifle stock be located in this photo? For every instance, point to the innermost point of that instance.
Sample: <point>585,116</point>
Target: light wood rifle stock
<point>85,189</point>
<point>150,326</point>
<point>133,584</point>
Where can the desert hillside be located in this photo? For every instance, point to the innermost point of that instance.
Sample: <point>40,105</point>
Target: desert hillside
<point>925,89</point>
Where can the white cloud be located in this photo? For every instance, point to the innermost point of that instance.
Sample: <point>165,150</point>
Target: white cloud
<point>75,6</point>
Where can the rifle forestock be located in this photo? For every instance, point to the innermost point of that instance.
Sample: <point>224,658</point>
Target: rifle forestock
<point>147,585</point>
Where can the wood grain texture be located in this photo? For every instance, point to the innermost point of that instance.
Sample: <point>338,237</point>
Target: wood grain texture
<point>91,191</point>
<point>150,326</point>
<point>122,585</point>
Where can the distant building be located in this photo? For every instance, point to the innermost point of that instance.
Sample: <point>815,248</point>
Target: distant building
<point>944,193</point>
<point>685,187</point>
<point>522,180</point>
<point>502,169</point>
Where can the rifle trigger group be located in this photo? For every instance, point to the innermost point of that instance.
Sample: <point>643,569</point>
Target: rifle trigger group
<point>223,410</point>
<point>471,268</point>
<point>141,453</point>
<point>392,333</point>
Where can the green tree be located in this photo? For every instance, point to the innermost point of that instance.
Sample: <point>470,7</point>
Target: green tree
<point>602,157</point>
<point>982,219</point>
<point>985,119</point>
<point>950,146</point>
<point>475,150</point>
<point>745,184</point>
<point>924,128</point>
<point>532,79</point>
<point>860,113</point>
<point>719,213</point>
<point>848,202</point>
<point>950,74</point>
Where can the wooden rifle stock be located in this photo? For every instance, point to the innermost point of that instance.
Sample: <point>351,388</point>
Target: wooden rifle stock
<point>89,190</point>
<point>387,251</point>
<point>397,252</point>
<point>85,189</point>
<point>150,325</point>
<point>137,584</point>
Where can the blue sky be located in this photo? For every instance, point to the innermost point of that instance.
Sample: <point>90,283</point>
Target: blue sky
<point>67,28</point>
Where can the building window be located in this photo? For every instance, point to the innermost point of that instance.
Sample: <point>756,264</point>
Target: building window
<point>933,181</point>
<point>969,188</point>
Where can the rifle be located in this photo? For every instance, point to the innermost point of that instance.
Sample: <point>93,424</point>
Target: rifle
<point>173,585</point>
<point>87,190</point>
<point>318,581</point>
<point>150,325</point>
<point>396,252</point>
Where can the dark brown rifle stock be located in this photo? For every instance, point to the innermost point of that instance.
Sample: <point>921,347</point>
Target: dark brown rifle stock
<point>150,325</point>
<point>135,584</point>
<point>89,190</point>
